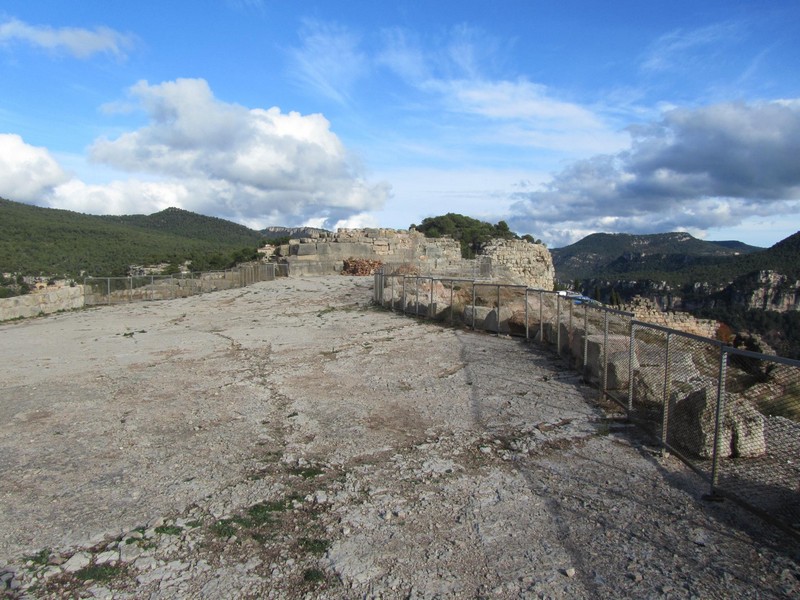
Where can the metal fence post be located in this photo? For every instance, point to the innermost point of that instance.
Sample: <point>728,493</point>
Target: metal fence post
<point>665,400</point>
<point>416,295</point>
<point>541,316</point>
<point>719,421</point>
<point>605,355</point>
<point>108,287</point>
<point>473,305</point>
<point>585,337</point>
<point>632,357</point>
<point>527,324</point>
<point>569,321</point>
<point>431,311</point>
<point>452,318</point>
<point>403,299</point>
<point>558,325</point>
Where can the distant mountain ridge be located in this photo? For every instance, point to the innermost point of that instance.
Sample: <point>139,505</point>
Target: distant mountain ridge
<point>271,233</point>
<point>605,254</point>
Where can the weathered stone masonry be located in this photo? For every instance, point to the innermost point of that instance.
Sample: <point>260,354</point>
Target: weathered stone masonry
<point>510,261</point>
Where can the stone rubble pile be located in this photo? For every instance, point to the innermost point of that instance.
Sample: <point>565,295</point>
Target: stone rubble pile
<point>360,266</point>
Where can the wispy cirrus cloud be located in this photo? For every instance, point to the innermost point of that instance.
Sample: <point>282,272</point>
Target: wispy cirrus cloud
<point>328,60</point>
<point>681,48</point>
<point>460,74</point>
<point>77,42</point>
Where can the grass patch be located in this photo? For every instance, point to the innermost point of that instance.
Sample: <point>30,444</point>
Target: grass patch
<point>314,545</point>
<point>313,576</point>
<point>169,530</point>
<point>223,528</point>
<point>306,472</point>
<point>97,573</point>
<point>40,558</point>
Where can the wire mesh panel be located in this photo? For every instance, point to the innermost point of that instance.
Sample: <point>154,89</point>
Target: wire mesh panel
<point>759,460</point>
<point>95,291</point>
<point>648,373</point>
<point>617,356</point>
<point>690,424</point>
<point>591,344</point>
<point>118,290</point>
<point>482,314</point>
<point>550,308</point>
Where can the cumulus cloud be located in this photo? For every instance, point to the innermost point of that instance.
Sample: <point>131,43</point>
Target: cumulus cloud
<point>80,43</point>
<point>694,170</point>
<point>241,163</point>
<point>27,173</point>
<point>255,166</point>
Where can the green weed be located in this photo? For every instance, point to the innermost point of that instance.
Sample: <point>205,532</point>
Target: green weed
<point>98,572</point>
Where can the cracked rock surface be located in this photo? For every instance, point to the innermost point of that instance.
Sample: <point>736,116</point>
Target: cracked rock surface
<point>287,440</point>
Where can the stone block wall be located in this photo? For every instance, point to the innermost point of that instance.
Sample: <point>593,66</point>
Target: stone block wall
<point>519,261</point>
<point>511,261</point>
<point>649,312</point>
<point>44,302</point>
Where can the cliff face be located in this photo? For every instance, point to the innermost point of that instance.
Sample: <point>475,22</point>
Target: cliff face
<point>766,290</point>
<point>761,290</point>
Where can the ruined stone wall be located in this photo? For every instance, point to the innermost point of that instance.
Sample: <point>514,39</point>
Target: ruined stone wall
<point>510,261</point>
<point>44,302</point>
<point>519,261</point>
<point>325,253</point>
<point>648,311</point>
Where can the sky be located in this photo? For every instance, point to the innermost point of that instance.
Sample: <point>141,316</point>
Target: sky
<point>562,118</point>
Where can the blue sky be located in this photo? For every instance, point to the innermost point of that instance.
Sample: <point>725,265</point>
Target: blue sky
<point>562,118</point>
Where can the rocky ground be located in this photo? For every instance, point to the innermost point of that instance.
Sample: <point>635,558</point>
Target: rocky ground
<point>287,440</point>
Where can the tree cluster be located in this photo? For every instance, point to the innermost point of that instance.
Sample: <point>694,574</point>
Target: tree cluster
<point>471,233</point>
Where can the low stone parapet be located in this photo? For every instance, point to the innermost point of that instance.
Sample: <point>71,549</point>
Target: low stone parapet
<point>41,303</point>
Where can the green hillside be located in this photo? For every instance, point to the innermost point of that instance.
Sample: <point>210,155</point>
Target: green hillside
<point>47,241</point>
<point>189,225</point>
<point>673,257</point>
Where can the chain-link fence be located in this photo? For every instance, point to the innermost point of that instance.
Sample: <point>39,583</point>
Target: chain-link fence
<point>732,415</point>
<point>116,290</point>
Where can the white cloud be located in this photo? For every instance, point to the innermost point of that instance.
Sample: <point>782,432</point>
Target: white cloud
<point>254,166</point>
<point>458,74</point>
<point>328,61</point>
<point>80,43</point>
<point>696,169</point>
<point>681,48</point>
<point>27,173</point>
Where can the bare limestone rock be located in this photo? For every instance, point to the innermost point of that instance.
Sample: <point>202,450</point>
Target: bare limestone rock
<point>498,323</point>
<point>693,420</point>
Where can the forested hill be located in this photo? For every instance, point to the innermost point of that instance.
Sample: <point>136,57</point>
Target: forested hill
<point>189,225</point>
<point>656,256</point>
<point>48,241</point>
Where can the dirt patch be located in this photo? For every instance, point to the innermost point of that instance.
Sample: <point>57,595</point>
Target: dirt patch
<point>292,441</point>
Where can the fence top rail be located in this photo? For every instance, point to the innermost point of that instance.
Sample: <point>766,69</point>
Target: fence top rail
<point>443,279</point>
<point>684,334</point>
<point>757,355</point>
<point>613,311</point>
